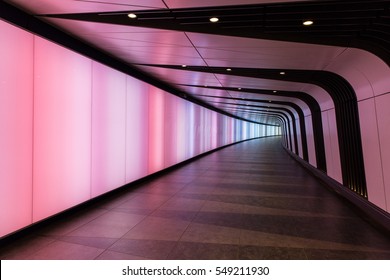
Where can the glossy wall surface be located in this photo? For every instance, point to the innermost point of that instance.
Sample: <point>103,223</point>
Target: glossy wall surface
<point>73,129</point>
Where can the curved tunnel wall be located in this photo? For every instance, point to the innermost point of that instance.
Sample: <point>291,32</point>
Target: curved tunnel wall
<point>367,76</point>
<point>73,129</point>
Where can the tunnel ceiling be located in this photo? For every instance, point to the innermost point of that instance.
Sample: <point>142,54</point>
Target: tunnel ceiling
<point>176,42</point>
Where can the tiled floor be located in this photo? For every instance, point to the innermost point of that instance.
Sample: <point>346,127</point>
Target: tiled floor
<point>247,201</point>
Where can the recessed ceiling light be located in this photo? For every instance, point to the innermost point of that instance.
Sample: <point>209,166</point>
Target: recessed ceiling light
<point>214,19</point>
<point>308,22</point>
<point>228,69</point>
<point>282,73</point>
<point>275,91</point>
<point>239,88</point>
<point>131,15</point>
<point>269,101</point>
<point>184,66</point>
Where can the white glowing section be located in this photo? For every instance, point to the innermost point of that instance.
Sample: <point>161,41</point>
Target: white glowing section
<point>197,133</point>
<point>156,130</point>
<point>201,130</point>
<point>16,111</point>
<point>191,128</point>
<point>137,114</point>
<point>237,131</point>
<point>170,129</point>
<point>62,129</point>
<point>226,132</point>
<point>181,130</point>
<point>108,129</point>
<point>232,130</point>
<point>214,134</point>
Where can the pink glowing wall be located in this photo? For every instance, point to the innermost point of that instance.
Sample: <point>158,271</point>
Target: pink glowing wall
<point>75,129</point>
<point>108,129</point>
<point>137,115</point>
<point>16,127</point>
<point>62,129</point>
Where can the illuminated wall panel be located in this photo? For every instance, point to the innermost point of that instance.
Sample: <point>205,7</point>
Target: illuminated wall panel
<point>371,151</point>
<point>333,165</point>
<point>244,131</point>
<point>62,129</point>
<point>170,129</point>
<point>214,131</point>
<point>298,126</point>
<point>383,117</point>
<point>201,131</point>
<point>137,116</point>
<point>190,129</point>
<point>156,130</point>
<point>182,136</point>
<point>335,146</point>
<point>197,135</point>
<point>310,141</point>
<point>16,111</point>
<point>108,129</point>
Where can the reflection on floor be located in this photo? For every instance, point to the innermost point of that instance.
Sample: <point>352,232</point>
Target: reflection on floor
<point>247,201</point>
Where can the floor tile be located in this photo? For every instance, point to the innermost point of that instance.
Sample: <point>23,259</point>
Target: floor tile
<point>203,251</point>
<point>109,225</point>
<point>175,214</point>
<point>185,204</point>
<point>145,201</point>
<point>112,255</point>
<point>151,249</point>
<point>155,228</point>
<point>97,242</point>
<point>203,233</point>
<point>271,253</point>
<point>23,248</point>
<point>66,225</point>
<point>59,250</point>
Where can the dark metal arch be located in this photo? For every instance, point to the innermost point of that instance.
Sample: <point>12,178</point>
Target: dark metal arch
<point>310,101</point>
<point>345,101</point>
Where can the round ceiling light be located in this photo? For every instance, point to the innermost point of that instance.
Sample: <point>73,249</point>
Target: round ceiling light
<point>214,19</point>
<point>131,15</point>
<point>308,22</point>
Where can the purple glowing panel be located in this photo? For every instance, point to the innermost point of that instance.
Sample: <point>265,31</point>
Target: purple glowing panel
<point>182,136</point>
<point>170,129</point>
<point>108,129</point>
<point>62,129</point>
<point>156,127</point>
<point>137,114</point>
